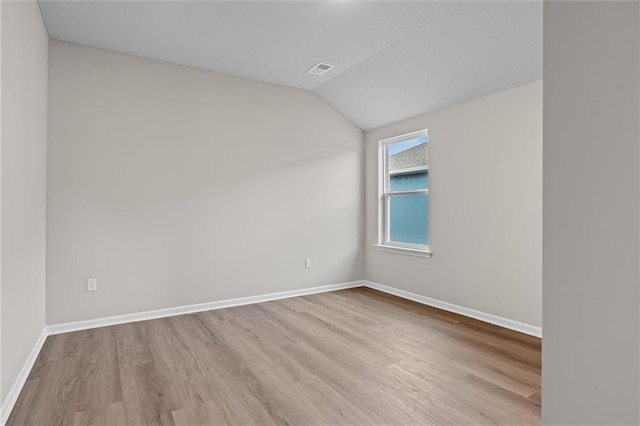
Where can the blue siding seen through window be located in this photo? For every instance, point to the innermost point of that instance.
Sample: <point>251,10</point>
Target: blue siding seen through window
<point>409,181</point>
<point>409,214</point>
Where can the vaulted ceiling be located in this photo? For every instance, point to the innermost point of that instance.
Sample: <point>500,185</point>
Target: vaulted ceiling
<point>393,60</point>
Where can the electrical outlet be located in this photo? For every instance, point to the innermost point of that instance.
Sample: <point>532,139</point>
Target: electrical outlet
<point>307,263</point>
<point>92,284</point>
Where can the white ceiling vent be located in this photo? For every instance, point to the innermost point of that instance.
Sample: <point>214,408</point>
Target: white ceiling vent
<point>319,68</point>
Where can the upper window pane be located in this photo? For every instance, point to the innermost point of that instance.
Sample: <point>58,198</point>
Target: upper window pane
<point>408,164</point>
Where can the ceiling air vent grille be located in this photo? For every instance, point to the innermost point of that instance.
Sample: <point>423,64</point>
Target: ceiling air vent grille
<point>319,68</point>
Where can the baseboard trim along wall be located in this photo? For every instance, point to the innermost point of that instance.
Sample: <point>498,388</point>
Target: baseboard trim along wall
<point>189,309</point>
<point>12,397</point>
<point>18,384</point>
<point>201,307</point>
<point>521,327</point>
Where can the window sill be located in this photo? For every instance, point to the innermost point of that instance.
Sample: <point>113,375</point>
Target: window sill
<point>404,250</point>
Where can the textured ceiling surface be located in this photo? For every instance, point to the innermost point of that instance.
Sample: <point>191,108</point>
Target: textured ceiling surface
<point>393,59</point>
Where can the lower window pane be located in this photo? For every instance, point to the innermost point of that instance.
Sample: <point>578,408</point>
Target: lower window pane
<point>408,219</point>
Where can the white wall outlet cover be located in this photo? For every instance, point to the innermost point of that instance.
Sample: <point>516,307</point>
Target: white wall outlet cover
<point>92,284</point>
<point>307,263</point>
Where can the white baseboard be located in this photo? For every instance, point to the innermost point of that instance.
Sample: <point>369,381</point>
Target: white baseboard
<point>189,309</point>
<point>14,392</point>
<point>201,307</point>
<point>482,316</point>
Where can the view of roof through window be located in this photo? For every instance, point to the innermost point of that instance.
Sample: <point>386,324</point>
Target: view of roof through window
<point>409,154</point>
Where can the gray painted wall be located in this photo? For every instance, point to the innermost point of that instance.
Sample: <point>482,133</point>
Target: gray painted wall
<point>485,185</point>
<point>591,184</point>
<point>23,176</point>
<point>174,186</point>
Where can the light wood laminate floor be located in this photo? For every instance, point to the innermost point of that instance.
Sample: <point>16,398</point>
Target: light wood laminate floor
<point>354,356</point>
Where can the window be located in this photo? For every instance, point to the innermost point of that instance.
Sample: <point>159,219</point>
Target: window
<point>404,194</point>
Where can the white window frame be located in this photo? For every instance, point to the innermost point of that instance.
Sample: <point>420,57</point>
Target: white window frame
<point>384,194</point>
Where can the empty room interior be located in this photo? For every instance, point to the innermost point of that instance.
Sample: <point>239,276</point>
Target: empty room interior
<point>319,212</point>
